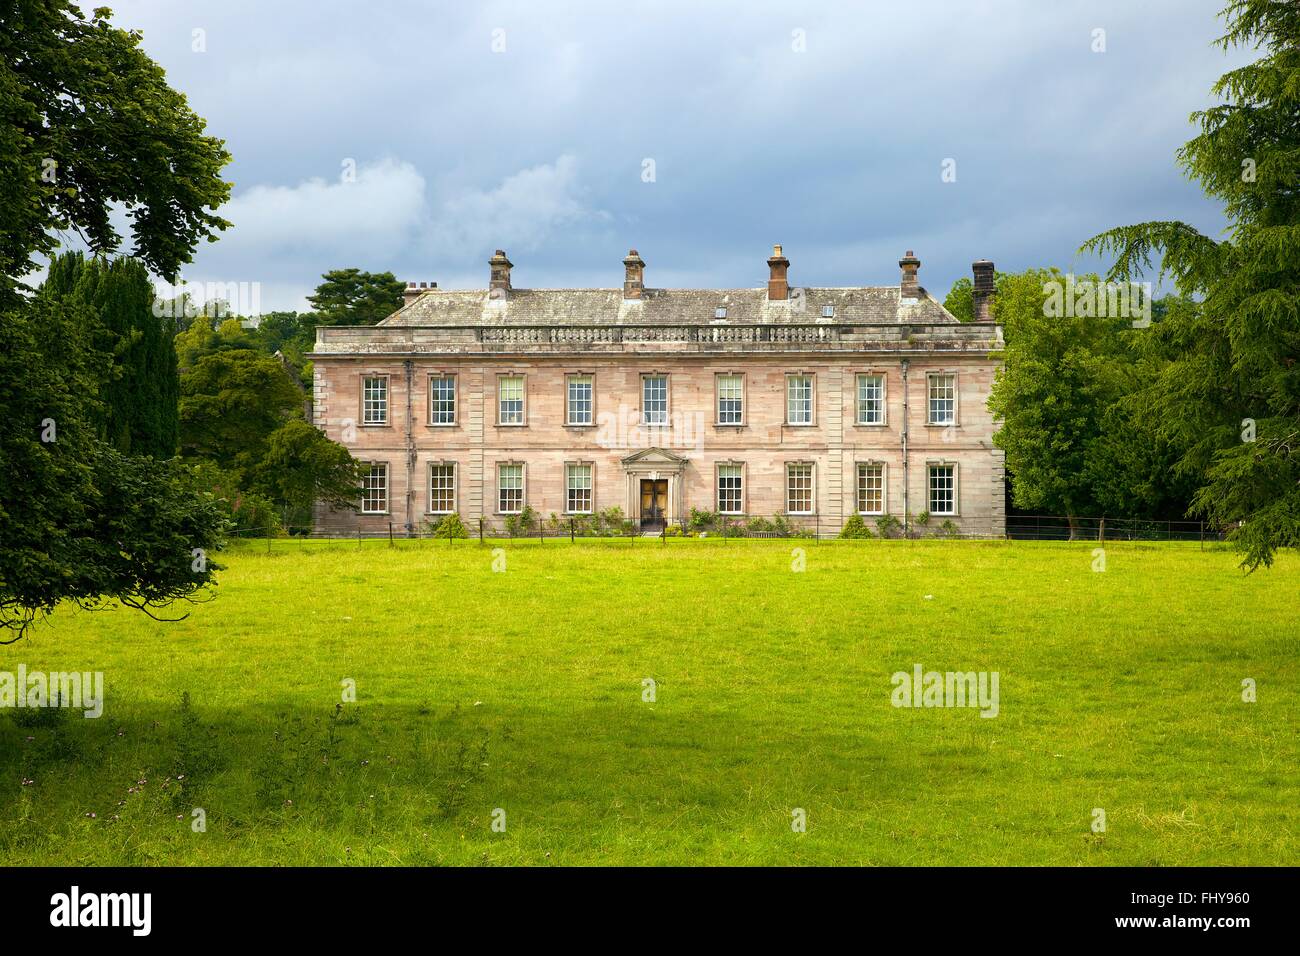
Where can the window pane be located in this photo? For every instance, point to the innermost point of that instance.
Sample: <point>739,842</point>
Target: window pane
<point>578,489</point>
<point>943,393</point>
<point>374,489</point>
<point>510,479</point>
<point>374,401</point>
<point>871,489</point>
<point>730,492</point>
<point>731,389</point>
<point>442,400</point>
<point>579,401</point>
<point>799,399</point>
<point>511,392</point>
<point>943,488</point>
<point>654,400</point>
<point>871,399</point>
<point>798,489</point>
<point>442,489</point>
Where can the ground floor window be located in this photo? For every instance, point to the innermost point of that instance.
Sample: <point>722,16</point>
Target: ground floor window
<point>943,489</point>
<point>442,489</point>
<point>799,489</point>
<point>510,489</point>
<point>730,489</point>
<point>871,488</point>
<point>577,481</point>
<point>374,489</point>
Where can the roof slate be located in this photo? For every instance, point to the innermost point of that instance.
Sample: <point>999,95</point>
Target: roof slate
<point>866,305</point>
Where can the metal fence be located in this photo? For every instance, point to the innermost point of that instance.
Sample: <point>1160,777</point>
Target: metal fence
<point>745,527</point>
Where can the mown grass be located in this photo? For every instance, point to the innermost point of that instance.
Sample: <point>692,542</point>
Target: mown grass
<point>523,691</point>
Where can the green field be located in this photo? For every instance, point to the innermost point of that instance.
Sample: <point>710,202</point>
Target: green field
<point>523,690</point>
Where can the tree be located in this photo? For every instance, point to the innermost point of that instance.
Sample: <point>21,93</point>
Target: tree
<point>353,297</point>
<point>231,402</point>
<point>87,121</point>
<point>302,466</point>
<point>1062,374</point>
<point>1228,401</point>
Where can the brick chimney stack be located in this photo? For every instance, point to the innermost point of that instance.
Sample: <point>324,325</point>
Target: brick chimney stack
<point>778,287</point>
<point>909,264</point>
<point>982,293</point>
<point>633,275</point>
<point>414,290</point>
<point>499,285</point>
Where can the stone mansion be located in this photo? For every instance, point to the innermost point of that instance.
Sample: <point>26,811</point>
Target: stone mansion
<point>811,403</point>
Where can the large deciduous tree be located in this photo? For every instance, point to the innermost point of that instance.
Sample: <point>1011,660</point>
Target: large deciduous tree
<point>1228,401</point>
<point>88,122</point>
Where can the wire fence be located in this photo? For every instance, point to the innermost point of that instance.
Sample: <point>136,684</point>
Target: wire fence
<point>711,525</point>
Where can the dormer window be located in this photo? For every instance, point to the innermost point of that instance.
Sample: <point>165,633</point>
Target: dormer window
<point>828,312</point>
<point>720,312</point>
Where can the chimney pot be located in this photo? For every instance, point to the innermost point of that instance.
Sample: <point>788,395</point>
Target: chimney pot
<point>633,275</point>
<point>778,284</point>
<point>983,290</point>
<point>499,281</point>
<point>908,287</point>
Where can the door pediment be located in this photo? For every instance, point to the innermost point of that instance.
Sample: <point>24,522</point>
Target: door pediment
<point>654,459</point>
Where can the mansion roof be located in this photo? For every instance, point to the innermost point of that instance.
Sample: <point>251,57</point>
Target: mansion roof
<point>865,305</point>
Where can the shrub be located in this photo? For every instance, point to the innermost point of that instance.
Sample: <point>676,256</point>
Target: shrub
<point>449,526</point>
<point>949,529</point>
<point>702,520</point>
<point>888,526</point>
<point>855,527</point>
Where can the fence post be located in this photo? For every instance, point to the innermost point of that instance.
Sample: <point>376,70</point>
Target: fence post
<point>358,536</point>
<point>1101,530</point>
<point>390,534</point>
<point>1202,535</point>
<point>571,532</point>
<point>480,529</point>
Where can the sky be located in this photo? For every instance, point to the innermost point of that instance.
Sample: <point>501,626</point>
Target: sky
<point>417,138</point>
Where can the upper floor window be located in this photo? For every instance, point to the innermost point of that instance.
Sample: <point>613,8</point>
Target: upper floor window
<point>731,399</point>
<point>943,489</point>
<point>943,399</point>
<point>374,401</point>
<point>871,400</point>
<point>654,400</point>
<point>442,489</point>
<point>510,489</point>
<point>731,491</point>
<point>579,400</point>
<point>799,399</point>
<point>442,400</point>
<point>374,489</point>
<point>510,400</point>
<point>871,488</point>
<point>577,489</point>
<point>799,488</point>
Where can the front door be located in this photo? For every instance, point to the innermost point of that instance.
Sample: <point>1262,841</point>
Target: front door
<point>654,502</point>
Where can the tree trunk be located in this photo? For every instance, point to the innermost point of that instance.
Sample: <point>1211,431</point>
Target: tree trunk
<point>1074,527</point>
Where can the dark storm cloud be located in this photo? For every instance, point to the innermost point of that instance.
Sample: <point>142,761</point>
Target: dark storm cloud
<point>528,126</point>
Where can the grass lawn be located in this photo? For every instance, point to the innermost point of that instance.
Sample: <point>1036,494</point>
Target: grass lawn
<point>523,691</point>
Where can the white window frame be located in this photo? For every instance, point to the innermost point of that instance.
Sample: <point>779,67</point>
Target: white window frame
<point>455,487</point>
<point>717,400</point>
<point>930,378</point>
<point>812,486</point>
<point>859,404</point>
<point>366,400</point>
<point>455,398</point>
<point>569,381</point>
<point>740,490</point>
<point>523,487</point>
<point>523,399</point>
<point>367,487</point>
<point>667,411</point>
<point>930,466</point>
<point>790,379</point>
<point>569,488</point>
<point>858,472</point>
